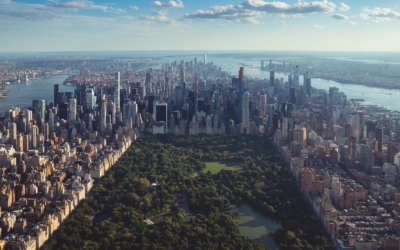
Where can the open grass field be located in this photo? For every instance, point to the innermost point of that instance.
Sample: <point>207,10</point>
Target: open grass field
<point>214,167</point>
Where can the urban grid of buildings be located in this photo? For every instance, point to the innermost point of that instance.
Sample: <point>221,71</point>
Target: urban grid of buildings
<point>342,154</point>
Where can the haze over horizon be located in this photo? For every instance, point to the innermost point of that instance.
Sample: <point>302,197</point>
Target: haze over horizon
<point>290,25</point>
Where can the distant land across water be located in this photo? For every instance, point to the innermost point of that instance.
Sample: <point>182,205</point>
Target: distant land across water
<point>22,94</point>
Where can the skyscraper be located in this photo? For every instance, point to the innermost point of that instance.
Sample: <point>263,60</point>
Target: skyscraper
<point>34,136</point>
<point>147,82</point>
<point>42,110</point>
<point>240,94</point>
<point>205,59</point>
<point>117,87</point>
<point>56,91</point>
<point>196,93</point>
<point>182,76</point>
<point>272,78</point>
<point>161,112</point>
<point>12,130</point>
<point>103,116</point>
<point>90,99</point>
<point>72,113</point>
<point>246,112</point>
<point>379,138</point>
<point>308,86</point>
<point>333,95</point>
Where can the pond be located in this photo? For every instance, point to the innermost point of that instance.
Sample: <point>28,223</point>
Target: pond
<point>99,217</point>
<point>251,224</point>
<point>255,226</point>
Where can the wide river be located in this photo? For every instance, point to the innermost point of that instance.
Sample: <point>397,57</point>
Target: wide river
<point>22,94</point>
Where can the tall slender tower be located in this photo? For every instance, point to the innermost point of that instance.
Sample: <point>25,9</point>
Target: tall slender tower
<point>196,93</point>
<point>103,116</point>
<point>205,59</point>
<point>72,113</point>
<point>42,110</point>
<point>117,87</point>
<point>56,100</point>
<point>182,76</point>
<point>147,82</point>
<point>240,93</point>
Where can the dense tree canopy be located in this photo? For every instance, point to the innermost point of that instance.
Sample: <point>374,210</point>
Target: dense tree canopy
<point>126,194</point>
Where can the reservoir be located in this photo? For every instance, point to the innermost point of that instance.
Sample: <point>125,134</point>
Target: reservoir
<point>255,226</point>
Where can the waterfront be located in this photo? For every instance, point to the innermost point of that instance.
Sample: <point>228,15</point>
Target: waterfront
<point>22,94</point>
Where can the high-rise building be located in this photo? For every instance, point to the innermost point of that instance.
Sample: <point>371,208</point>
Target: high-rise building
<point>246,112</point>
<point>270,110</point>
<point>292,95</point>
<point>300,135</point>
<point>90,99</point>
<point>333,95</point>
<point>42,110</point>
<point>117,87</point>
<point>103,116</point>
<point>72,113</point>
<point>161,112</point>
<point>46,132</point>
<point>12,130</point>
<point>272,78</point>
<point>205,58</point>
<point>308,86</point>
<point>240,93</point>
<point>56,95</point>
<point>27,142</point>
<point>34,136</point>
<point>147,82</point>
<point>391,152</point>
<point>196,94</point>
<point>379,138</point>
<point>51,120</point>
<point>182,76</point>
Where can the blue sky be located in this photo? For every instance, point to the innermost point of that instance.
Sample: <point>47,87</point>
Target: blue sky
<point>102,25</point>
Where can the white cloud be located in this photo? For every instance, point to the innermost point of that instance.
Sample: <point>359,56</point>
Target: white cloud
<point>352,23</point>
<point>85,5</point>
<point>133,7</point>
<point>363,16</point>
<point>119,11</point>
<point>381,19</point>
<point>301,7</point>
<point>382,12</point>
<point>221,25</point>
<point>250,10</point>
<point>227,12</point>
<point>159,17</point>
<point>316,26</point>
<point>170,4</point>
<point>344,7</point>
<point>340,17</point>
<point>282,23</point>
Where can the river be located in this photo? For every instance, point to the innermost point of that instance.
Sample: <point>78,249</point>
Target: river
<point>22,94</point>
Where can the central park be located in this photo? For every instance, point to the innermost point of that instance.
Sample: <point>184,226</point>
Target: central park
<point>171,192</point>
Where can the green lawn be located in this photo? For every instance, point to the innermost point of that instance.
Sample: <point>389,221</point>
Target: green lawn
<point>214,167</point>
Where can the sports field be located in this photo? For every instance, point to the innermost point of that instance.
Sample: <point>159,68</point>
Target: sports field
<point>214,167</point>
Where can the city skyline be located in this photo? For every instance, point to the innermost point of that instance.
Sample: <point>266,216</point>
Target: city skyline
<point>182,25</point>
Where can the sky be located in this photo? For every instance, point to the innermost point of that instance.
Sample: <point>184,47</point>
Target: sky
<point>102,25</point>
